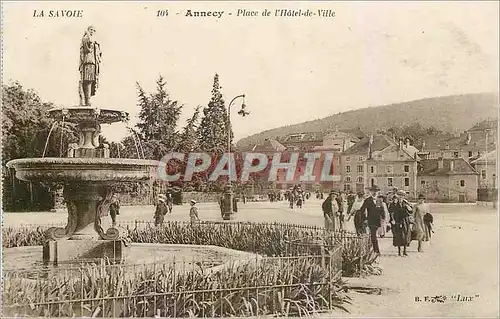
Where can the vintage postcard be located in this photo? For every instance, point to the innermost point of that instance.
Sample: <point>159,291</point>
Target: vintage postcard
<point>250,159</point>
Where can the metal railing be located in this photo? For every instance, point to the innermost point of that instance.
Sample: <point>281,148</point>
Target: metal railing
<point>297,285</point>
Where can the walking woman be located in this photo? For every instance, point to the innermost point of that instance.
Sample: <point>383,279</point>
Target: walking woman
<point>385,216</point>
<point>359,216</point>
<point>419,211</point>
<point>400,220</point>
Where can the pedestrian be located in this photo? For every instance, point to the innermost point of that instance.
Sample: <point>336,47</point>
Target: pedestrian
<point>419,210</point>
<point>359,216</point>
<point>342,204</point>
<point>350,201</point>
<point>170,202</point>
<point>374,215</point>
<point>385,216</point>
<point>400,222</point>
<point>193,212</point>
<point>244,198</point>
<point>428,223</point>
<point>327,207</point>
<point>161,210</point>
<point>299,201</point>
<point>114,209</point>
<point>291,199</point>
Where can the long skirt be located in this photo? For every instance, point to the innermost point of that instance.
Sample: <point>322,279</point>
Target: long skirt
<point>159,219</point>
<point>329,223</point>
<point>401,234</point>
<point>359,223</point>
<point>427,231</point>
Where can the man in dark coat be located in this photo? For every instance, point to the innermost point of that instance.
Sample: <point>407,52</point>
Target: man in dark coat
<point>374,215</point>
<point>161,210</point>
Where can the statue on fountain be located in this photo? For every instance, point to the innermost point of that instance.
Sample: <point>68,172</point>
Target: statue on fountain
<point>90,60</point>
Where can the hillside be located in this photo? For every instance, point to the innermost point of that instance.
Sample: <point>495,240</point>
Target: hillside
<point>448,113</point>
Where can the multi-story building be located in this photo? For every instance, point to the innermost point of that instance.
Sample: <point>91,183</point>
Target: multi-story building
<point>486,166</point>
<point>380,161</point>
<point>447,180</point>
<point>470,145</point>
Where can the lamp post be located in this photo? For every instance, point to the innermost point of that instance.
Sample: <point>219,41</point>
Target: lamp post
<point>228,194</point>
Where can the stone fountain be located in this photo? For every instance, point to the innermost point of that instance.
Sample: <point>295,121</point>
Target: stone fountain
<point>88,173</point>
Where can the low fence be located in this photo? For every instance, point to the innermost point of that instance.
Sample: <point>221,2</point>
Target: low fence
<point>294,285</point>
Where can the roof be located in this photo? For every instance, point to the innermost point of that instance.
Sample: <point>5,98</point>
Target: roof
<point>490,157</point>
<point>430,167</point>
<point>410,150</point>
<point>487,124</point>
<point>379,143</point>
<point>269,145</point>
<point>319,136</point>
<point>450,142</point>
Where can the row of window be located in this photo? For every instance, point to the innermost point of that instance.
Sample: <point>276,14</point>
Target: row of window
<point>389,169</point>
<point>460,183</point>
<point>360,179</point>
<point>347,184</point>
<point>360,158</point>
<point>455,154</point>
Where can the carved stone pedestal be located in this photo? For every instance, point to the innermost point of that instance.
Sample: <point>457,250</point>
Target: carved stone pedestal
<point>55,251</point>
<point>86,204</point>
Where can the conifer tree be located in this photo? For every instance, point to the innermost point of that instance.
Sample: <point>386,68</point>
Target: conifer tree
<point>214,127</point>
<point>158,120</point>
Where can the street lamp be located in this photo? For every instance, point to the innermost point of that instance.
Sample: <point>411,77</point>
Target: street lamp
<point>229,193</point>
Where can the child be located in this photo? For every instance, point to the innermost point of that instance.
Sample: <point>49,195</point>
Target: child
<point>193,212</point>
<point>428,220</point>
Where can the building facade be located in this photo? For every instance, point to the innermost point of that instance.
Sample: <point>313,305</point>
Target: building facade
<point>486,167</point>
<point>447,180</point>
<point>380,161</point>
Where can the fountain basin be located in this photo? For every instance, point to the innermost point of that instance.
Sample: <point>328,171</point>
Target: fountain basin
<point>81,114</point>
<point>28,260</point>
<point>58,169</point>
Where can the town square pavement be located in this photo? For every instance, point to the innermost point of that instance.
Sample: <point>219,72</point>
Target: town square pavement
<point>461,259</point>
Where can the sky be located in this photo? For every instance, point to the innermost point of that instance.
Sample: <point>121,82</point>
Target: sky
<point>292,69</point>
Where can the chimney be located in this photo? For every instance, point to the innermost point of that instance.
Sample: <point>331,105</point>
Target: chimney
<point>423,145</point>
<point>407,143</point>
<point>452,165</point>
<point>440,163</point>
<point>400,143</point>
<point>469,137</point>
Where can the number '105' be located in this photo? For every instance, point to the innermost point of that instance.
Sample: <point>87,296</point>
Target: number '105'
<point>162,13</point>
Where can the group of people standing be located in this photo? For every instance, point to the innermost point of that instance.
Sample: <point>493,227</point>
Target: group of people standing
<point>377,214</point>
<point>335,208</point>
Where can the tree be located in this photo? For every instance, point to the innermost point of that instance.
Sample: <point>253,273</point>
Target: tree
<point>188,137</point>
<point>214,127</point>
<point>25,134</point>
<point>158,121</point>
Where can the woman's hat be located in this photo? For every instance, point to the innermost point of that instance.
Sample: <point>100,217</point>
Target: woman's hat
<point>193,201</point>
<point>401,193</point>
<point>421,196</point>
<point>360,193</point>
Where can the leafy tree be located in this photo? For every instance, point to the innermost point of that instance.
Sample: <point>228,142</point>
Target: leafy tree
<point>158,121</point>
<point>25,133</point>
<point>214,127</point>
